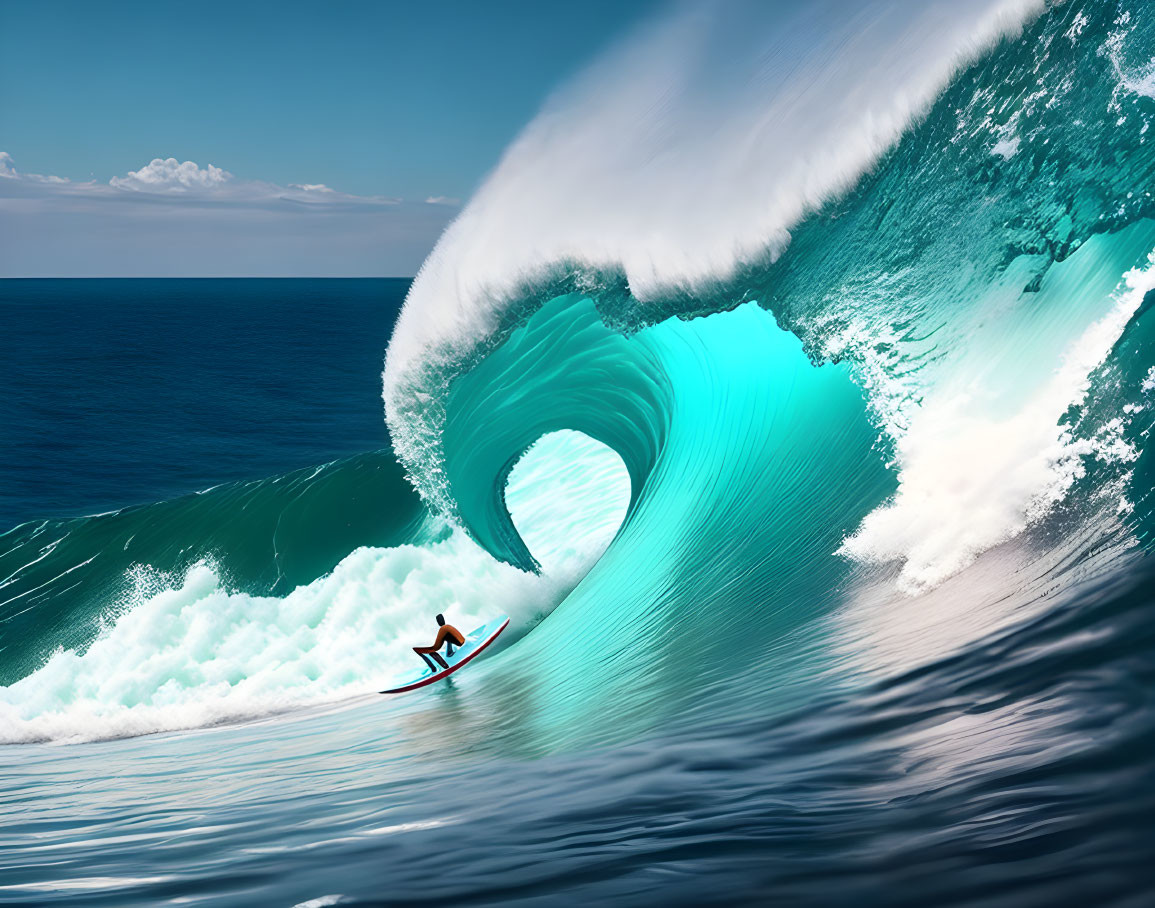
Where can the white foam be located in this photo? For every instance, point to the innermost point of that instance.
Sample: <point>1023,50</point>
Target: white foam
<point>974,474</point>
<point>186,652</point>
<point>1007,147</point>
<point>695,146</point>
<point>1138,80</point>
<point>195,654</point>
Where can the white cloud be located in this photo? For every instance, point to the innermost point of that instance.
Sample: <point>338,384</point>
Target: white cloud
<point>442,200</point>
<point>170,218</point>
<point>8,171</point>
<point>174,180</point>
<point>169,175</point>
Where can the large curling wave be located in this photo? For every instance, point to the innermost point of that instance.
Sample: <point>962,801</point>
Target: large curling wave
<point>867,325</point>
<point>787,346</point>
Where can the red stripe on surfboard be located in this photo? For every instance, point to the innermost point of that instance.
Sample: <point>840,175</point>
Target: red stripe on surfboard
<point>445,673</point>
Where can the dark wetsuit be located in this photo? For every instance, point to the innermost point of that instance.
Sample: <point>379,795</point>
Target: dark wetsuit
<point>447,636</point>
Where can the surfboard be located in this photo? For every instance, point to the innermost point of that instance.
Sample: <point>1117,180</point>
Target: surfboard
<point>475,643</point>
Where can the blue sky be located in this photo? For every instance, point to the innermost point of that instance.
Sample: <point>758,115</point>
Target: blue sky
<point>329,137</point>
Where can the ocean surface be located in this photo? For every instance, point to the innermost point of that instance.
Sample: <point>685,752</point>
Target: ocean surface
<point>789,383</point>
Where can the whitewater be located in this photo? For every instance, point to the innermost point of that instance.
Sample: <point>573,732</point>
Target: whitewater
<point>789,382</point>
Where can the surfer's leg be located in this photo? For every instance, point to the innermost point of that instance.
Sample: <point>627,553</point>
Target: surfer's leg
<point>429,656</point>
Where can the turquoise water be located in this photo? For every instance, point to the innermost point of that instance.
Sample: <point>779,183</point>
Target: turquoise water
<point>823,525</point>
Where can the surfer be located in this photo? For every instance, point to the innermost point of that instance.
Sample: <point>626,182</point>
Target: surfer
<point>447,636</point>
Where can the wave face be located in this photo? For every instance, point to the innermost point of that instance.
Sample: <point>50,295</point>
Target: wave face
<point>790,383</point>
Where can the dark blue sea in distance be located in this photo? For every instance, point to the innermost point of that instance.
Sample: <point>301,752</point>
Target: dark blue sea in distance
<point>123,392</point>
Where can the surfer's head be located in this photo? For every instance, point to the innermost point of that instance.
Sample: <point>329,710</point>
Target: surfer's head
<point>440,619</point>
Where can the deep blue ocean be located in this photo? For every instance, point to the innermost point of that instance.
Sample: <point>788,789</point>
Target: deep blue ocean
<point>789,384</point>
<point>212,380</point>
